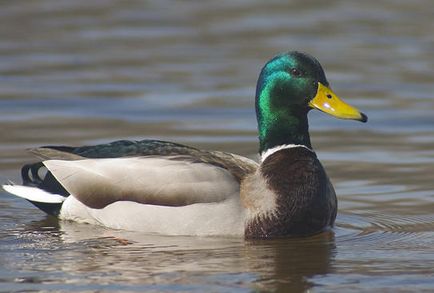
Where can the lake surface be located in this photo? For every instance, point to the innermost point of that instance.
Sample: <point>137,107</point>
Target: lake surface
<point>86,72</point>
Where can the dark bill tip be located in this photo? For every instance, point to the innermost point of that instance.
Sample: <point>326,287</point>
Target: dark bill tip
<point>364,118</point>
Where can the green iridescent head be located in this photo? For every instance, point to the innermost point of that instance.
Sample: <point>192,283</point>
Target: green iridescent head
<point>288,87</point>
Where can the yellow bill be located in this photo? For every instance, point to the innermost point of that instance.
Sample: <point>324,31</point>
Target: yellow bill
<point>328,102</point>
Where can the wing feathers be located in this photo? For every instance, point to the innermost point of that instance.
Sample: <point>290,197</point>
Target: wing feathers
<point>147,180</point>
<point>45,153</point>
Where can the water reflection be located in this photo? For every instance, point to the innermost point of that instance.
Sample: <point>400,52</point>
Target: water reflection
<point>94,257</point>
<point>91,255</point>
<point>289,265</point>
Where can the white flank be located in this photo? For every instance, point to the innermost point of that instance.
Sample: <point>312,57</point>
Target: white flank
<point>225,218</point>
<point>33,194</point>
<point>258,199</point>
<point>271,151</point>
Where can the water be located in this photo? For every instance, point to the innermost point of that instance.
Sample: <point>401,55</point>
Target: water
<point>86,72</point>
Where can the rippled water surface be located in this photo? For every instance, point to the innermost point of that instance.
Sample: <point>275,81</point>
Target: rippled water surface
<point>85,72</point>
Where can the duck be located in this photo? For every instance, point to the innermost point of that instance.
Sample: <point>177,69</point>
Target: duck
<point>162,187</point>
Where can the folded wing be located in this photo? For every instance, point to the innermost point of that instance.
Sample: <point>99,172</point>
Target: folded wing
<point>169,181</point>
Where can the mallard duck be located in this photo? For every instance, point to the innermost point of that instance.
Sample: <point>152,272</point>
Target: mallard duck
<point>168,188</point>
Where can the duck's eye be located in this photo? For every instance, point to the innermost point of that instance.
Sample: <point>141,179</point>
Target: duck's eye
<point>295,72</point>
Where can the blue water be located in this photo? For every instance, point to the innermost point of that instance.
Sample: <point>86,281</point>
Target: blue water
<point>85,72</point>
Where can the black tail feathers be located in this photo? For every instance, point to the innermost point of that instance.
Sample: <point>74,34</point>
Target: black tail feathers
<point>34,175</point>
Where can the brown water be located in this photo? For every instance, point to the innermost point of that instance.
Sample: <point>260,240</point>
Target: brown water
<point>85,72</point>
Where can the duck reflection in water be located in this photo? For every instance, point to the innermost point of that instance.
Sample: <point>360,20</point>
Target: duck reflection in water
<point>95,255</point>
